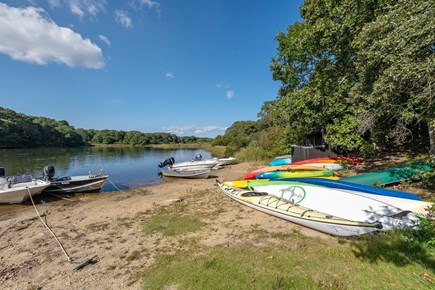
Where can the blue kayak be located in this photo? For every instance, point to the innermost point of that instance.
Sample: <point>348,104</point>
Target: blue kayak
<point>278,162</point>
<point>357,187</point>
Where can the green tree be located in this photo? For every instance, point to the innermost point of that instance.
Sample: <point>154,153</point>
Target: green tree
<point>396,69</point>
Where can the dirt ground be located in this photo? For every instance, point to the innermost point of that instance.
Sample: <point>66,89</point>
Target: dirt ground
<point>108,227</point>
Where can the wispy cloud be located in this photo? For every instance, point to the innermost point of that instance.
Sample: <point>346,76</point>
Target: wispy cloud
<point>117,101</point>
<point>80,8</point>
<point>104,39</point>
<point>188,130</point>
<point>149,4</point>
<point>26,34</point>
<point>169,75</point>
<point>121,16</point>
<point>230,94</point>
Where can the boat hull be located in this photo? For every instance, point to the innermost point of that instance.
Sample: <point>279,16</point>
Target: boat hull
<point>191,174</point>
<point>19,192</point>
<point>77,184</point>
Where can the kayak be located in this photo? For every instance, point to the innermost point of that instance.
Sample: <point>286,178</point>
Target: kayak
<point>391,175</point>
<point>281,161</point>
<point>244,183</point>
<point>340,184</point>
<point>342,204</point>
<point>416,206</point>
<point>253,173</point>
<point>298,214</point>
<point>331,159</point>
<point>290,174</point>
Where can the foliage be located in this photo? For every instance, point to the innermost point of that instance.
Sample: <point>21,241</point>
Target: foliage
<point>19,130</point>
<point>238,135</point>
<point>359,71</point>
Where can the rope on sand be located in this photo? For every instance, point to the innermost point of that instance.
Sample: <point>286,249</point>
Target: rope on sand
<point>80,264</point>
<point>115,185</point>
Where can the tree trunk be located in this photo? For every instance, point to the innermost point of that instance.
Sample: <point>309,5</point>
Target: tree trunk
<point>432,137</point>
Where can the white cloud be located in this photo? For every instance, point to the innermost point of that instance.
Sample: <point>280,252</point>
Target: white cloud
<point>150,4</point>
<point>54,3</point>
<point>75,9</point>
<point>104,39</point>
<point>26,34</point>
<point>121,16</point>
<point>80,7</point>
<point>188,130</point>
<point>169,75</point>
<point>230,94</point>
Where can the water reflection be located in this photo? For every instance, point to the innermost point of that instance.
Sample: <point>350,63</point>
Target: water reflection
<point>128,167</point>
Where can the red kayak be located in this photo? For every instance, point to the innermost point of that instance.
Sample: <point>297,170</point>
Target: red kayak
<point>330,159</point>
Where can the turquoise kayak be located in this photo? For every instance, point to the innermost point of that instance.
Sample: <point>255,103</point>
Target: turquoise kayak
<point>391,175</point>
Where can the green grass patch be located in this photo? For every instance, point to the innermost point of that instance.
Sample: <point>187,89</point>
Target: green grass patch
<point>173,224</point>
<point>318,264</point>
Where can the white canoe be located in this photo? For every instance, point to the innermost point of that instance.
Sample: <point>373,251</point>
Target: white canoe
<point>19,192</point>
<point>343,204</point>
<point>298,214</point>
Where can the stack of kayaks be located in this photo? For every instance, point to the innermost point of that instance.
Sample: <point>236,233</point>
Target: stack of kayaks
<point>347,206</point>
<point>285,168</point>
<point>283,160</point>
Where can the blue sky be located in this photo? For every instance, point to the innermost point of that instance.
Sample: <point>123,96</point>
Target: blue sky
<point>187,67</point>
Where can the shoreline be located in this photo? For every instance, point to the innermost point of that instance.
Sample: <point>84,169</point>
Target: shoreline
<point>110,227</point>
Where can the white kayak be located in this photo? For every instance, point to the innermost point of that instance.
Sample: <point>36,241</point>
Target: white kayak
<point>343,204</point>
<point>330,166</point>
<point>298,214</point>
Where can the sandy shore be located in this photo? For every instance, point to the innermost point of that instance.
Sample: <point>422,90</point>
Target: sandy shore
<point>109,227</point>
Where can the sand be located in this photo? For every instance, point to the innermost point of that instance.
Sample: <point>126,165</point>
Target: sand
<point>108,227</point>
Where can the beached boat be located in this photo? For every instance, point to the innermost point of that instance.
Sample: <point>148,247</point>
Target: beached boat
<point>74,184</point>
<point>197,163</point>
<point>298,214</point>
<point>344,204</point>
<point>187,173</point>
<point>226,161</point>
<point>19,187</point>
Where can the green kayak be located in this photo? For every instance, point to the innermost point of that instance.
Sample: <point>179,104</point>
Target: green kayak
<point>391,175</point>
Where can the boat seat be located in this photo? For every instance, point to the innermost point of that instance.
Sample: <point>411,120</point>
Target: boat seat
<point>19,179</point>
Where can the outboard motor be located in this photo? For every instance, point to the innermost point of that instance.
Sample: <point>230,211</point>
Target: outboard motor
<point>169,161</point>
<point>48,172</point>
<point>198,157</point>
<point>2,172</point>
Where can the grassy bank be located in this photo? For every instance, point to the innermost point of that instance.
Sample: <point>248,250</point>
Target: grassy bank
<point>256,257</point>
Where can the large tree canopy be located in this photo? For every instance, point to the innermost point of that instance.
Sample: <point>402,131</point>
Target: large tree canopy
<point>360,71</point>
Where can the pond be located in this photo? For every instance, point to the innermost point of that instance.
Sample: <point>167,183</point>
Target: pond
<point>128,167</point>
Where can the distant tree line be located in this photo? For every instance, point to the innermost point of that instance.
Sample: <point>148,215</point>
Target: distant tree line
<point>18,130</point>
<point>360,72</point>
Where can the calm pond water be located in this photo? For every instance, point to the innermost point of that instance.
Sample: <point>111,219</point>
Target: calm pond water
<point>128,167</point>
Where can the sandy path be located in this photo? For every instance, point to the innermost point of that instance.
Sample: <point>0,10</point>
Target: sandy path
<point>110,227</point>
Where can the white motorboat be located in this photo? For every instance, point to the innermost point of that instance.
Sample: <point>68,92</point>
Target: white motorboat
<point>226,161</point>
<point>74,184</point>
<point>187,173</point>
<point>18,188</point>
<point>197,163</point>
